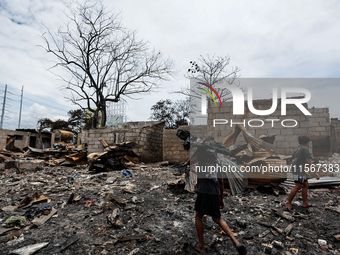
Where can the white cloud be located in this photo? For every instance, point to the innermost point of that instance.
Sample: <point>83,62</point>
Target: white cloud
<point>264,38</point>
<point>36,112</point>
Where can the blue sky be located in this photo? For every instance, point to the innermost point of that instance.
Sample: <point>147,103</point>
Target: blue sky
<point>285,39</point>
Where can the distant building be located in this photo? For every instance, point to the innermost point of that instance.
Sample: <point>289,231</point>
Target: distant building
<point>21,138</point>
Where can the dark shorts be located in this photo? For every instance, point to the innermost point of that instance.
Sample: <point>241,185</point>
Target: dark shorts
<point>299,178</point>
<point>208,205</point>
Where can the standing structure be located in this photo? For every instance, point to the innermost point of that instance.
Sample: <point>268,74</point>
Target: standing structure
<point>116,113</point>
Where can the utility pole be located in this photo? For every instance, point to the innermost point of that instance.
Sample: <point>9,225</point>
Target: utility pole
<point>22,93</point>
<point>3,107</point>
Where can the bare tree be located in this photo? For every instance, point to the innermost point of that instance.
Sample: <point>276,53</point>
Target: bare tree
<point>105,60</point>
<point>211,71</point>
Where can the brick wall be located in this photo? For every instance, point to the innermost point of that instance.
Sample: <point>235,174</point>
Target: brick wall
<point>173,146</point>
<point>286,138</point>
<point>335,135</point>
<point>320,131</point>
<point>149,135</point>
<point>317,126</point>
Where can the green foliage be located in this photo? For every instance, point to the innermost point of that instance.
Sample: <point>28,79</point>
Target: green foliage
<point>173,113</point>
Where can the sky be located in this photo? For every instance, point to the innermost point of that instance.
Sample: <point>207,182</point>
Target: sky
<point>266,39</point>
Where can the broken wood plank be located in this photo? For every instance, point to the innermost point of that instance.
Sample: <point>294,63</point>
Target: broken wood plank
<point>335,209</point>
<point>102,141</point>
<point>68,243</point>
<point>287,217</point>
<point>9,208</point>
<point>130,237</point>
<point>263,234</point>
<point>278,229</point>
<point>5,230</point>
<point>288,229</point>
<point>274,232</point>
<point>41,221</point>
<point>31,249</point>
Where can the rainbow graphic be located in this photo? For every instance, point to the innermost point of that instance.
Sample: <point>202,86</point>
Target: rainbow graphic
<point>212,89</point>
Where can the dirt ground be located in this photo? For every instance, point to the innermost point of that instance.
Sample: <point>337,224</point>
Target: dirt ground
<point>157,218</point>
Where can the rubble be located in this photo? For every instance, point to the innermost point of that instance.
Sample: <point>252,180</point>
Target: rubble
<point>150,212</point>
<point>28,250</point>
<point>252,154</point>
<point>33,159</point>
<point>114,157</point>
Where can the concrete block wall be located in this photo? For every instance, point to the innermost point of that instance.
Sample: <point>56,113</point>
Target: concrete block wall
<point>335,135</point>
<point>286,137</point>
<point>320,131</point>
<point>152,141</point>
<point>23,138</point>
<point>149,135</point>
<point>4,133</point>
<point>317,126</point>
<point>173,146</point>
<point>3,138</point>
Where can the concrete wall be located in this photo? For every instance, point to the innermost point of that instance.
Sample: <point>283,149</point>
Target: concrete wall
<point>320,131</point>
<point>335,135</point>
<point>162,144</point>
<point>286,137</point>
<point>149,135</point>
<point>173,146</point>
<point>23,138</point>
<point>318,126</point>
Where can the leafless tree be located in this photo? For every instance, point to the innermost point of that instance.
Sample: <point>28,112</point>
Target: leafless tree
<point>105,60</point>
<point>211,71</point>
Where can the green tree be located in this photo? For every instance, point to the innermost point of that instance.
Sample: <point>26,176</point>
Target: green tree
<point>173,113</point>
<point>76,120</point>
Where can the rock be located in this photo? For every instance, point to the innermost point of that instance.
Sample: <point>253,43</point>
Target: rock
<point>241,223</point>
<point>278,244</point>
<point>268,250</point>
<point>323,244</point>
<point>124,183</point>
<point>110,180</point>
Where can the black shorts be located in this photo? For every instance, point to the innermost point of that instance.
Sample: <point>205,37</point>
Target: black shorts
<point>208,205</point>
<point>299,178</point>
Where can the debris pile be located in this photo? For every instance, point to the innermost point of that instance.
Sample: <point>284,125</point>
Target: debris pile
<point>6,155</point>
<point>32,158</point>
<point>112,213</point>
<point>252,154</point>
<point>114,157</point>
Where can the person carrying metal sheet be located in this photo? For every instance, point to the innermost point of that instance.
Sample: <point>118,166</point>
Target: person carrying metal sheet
<point>209,191</point>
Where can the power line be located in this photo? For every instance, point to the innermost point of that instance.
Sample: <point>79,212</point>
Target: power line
<point>3,107</point>
<point>6,108</point>
<point>13,94</point>
<point>22,93</point>
<point>44,104</point>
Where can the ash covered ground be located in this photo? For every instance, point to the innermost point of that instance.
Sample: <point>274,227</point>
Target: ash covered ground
<point>155,218</point>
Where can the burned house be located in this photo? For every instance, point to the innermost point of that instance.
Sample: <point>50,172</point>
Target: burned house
<point>21,138</point>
